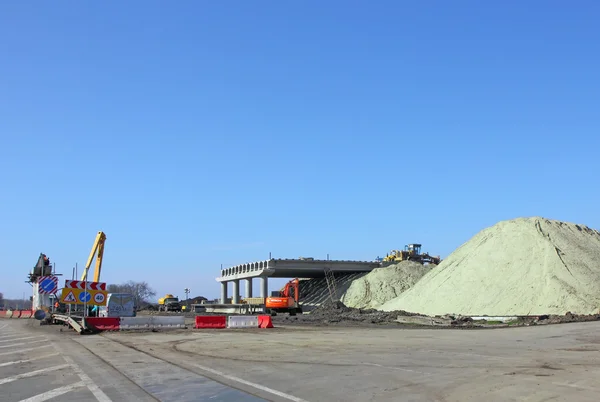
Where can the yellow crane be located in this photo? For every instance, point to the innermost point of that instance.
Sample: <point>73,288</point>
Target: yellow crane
<point>98,248</point>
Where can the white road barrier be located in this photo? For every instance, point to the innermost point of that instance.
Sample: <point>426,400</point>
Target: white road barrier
<point>168,322</point>
<point>242,321</point>
<point>156,322</point>
<point>135,323</point>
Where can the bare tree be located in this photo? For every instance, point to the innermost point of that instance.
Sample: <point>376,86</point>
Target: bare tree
<point>141,291</point>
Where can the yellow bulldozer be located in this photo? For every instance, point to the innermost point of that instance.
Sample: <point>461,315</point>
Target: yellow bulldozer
<point>411,252</point>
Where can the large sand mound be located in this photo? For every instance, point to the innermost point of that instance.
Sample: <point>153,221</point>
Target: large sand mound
<point>383,284</point>
<point>518,267</point>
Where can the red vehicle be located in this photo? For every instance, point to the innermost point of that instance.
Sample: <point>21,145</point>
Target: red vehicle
<point>287,301</point>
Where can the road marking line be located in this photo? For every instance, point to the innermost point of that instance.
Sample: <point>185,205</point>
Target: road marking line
<point>32,373</point>
<point>94,389</point>
<point>6,334</point>
<point>17,351</point>
<point>54,393</point>
<point>14,337</point>
<point>257,386</point>
<point>12,340</point>
<point>23,343</point>
<point>27,360</point>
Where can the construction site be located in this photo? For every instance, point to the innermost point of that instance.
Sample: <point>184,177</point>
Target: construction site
<point>410,326</point>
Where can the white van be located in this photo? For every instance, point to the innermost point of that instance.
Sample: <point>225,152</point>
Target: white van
<point>118,305</point>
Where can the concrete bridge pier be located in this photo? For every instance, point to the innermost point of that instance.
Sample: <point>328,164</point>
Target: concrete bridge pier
<point>248,287</point>
<point>264,286</point>
<point>235,298</point>
<point>223,292</point>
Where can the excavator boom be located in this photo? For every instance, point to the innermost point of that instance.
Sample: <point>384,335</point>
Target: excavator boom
<point>98,251</point>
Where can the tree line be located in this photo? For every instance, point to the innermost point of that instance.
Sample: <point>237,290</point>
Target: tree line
<point>141,291</point>
<point>14,304</point>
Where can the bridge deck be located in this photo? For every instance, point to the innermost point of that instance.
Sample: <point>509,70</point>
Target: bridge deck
<point>294,268</point>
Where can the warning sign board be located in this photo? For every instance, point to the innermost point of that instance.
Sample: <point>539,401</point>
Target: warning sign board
<point>83,296</point>
<point>69,298</point>
<point>48,284</point>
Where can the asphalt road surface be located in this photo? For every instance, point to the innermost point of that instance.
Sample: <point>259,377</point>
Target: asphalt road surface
<point>38,363</point>
<point>533,364</point>
<point>300,364</point>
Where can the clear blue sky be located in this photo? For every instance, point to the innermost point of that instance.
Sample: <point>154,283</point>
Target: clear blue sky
<point>202,133</point>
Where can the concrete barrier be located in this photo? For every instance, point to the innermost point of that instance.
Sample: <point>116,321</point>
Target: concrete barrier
<point>103,323</point>
<point>210,321</point>
<point>26,314</point>
<point>16,314</point>
<point>135,323</point>
<point>265,321</point>
<point>156,322</point>
<point>242,321</point>
<point>160,322</point>
<point>2,314</point>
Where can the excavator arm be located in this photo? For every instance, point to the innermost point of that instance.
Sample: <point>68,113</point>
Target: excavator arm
<point>98,251</point>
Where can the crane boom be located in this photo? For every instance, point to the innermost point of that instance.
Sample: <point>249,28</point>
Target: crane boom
<point>97,248</point>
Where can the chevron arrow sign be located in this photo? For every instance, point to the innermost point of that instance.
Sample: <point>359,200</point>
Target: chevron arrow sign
<point>82,285</point>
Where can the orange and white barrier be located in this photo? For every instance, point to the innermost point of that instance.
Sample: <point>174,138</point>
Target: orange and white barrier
<point>16,314</point>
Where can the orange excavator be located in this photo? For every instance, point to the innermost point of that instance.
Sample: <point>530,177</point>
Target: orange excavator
<point>287,301</point>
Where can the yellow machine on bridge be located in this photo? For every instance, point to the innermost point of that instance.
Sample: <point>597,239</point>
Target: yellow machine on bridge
<point>411,252</point>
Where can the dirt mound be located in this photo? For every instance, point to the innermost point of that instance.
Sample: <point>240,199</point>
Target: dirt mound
<point>526,266</point>
<point>384,284</point>
<point>337,312</point>
<point>569,317</point>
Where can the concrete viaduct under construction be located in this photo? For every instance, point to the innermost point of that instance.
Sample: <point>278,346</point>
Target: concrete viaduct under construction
<point>283,268</point>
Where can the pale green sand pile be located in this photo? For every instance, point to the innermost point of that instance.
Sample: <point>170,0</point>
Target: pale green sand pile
<point>383,284</point>
<point>526,266</point>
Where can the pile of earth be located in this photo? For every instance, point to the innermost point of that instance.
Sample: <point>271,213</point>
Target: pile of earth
<point>568,317</point>
<point>383,284</point>
<point>337,312</point>
<point>539,320</point>
<point>525,266</point>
